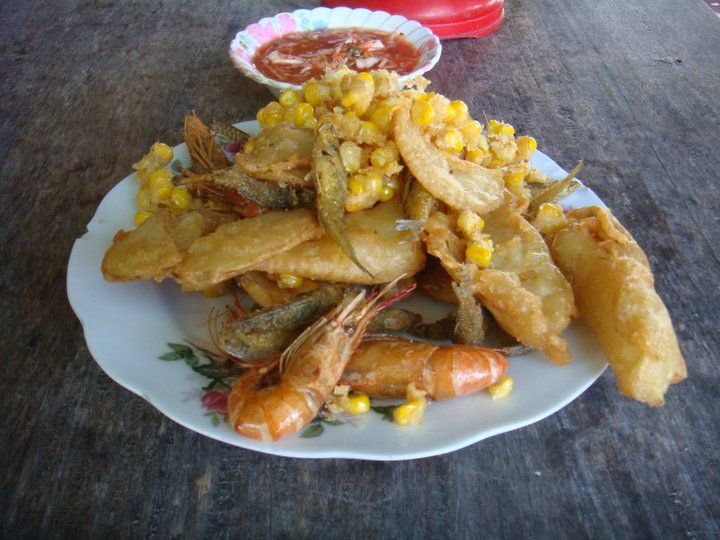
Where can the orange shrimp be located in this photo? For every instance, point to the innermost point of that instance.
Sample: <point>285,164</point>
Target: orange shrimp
<point>385,367</point>
<point>309,370</point>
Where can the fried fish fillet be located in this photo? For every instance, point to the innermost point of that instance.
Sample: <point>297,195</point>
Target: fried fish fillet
<point>615,292</point>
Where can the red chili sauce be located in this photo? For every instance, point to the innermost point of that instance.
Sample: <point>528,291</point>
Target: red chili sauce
<point>298,57</point>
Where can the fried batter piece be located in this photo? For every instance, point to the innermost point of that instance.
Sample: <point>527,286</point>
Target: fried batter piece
<point>461,184</point>
<point>281,154</point>
<point>386,252</point>
<point>153,249</point>
<point>615,292</point>
<point>522,287</point>
<point>235,247</point>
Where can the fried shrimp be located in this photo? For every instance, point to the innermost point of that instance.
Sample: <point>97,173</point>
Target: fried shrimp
<point>309,370</point>
<point>384,368</point>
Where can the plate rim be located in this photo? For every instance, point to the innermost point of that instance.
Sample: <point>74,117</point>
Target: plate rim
<point>268,449</point>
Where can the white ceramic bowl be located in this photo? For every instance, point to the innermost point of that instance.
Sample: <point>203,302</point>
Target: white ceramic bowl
<point>246,42</point>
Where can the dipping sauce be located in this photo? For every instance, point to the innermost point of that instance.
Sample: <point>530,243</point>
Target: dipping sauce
<point>298,57</point>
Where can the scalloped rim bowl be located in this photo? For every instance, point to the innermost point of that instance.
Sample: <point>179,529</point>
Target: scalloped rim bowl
<point>247,41</point>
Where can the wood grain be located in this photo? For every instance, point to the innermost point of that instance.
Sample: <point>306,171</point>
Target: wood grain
<point>629,86</point>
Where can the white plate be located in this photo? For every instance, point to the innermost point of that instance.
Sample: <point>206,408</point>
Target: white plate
<point>129,325</point>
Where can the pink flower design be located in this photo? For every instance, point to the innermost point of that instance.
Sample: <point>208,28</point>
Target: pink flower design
<point>286,23</point>
<point>240,52</point>
<point>214,400</point>
<point>261,33</point>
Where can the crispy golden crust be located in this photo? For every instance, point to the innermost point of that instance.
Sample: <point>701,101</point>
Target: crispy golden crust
<point>522,288</point>
<point>266,292</point>
<point>385,251</point>
<point>460,184</point>
<point>235,247</point>
<point>153,249</point>
<point>615,292</point>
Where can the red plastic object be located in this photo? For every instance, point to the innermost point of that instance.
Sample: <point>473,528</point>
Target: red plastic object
<point>447,19</point>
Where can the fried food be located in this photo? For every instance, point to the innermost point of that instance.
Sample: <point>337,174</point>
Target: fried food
<point>522,288</point>
<point>461,184</point>
<point>615,292</point>
<point>267,293</point>
<point>331,187</point>
<point>153,249</point>
<point>204,150</point>
<point>280,154</point>
<point>436,282</point>
<point>555,191</point>
<point>384,368</point>
<point>387,252</point>
<point>239,246</point>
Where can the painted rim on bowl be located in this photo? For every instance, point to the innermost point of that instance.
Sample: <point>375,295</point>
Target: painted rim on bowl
<point>247,41</point>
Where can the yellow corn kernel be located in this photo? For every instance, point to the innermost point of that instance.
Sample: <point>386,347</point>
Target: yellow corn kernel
<point>289,281</point>
<point>302,113</point>
<point>143,199</point>
<point>315,93</point>
<point>384,155</point>
<point>450,140</point>
<point>501,389</point>
<point>369,133</point>
<point>514,180</point>
<point>359,93</point>
<point>475,155</point>
<point>526,145</point>
<point>356,403</point>
<point>160,183</point>
<point>422,113</point>
<point>472,133</point>
<point>496,128</point>
<point>162,151</point>
<point>495,163</point>
<point>382,117</point>
<point>288,98</point>
<point>410,413</point>
<point>480,255</point>
<point>550,218</point>
<point>458,112</point>
<point>249,145</point>
<point>352,156</point>
<point>470,223</point>
<point>374,181</point>
<point>387,193</point>
<point>216,290</point>
<point>355,186</point>
<point>270,115</point>
<point>141,216</point>
<point>180,198</point>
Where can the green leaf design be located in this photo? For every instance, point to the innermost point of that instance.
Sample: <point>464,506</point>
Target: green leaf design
<point>171,356</point>
<point>180,348</point>
<point>211,371</point>
<point>385,410</point>
<point>215,420</point>
<point>332,421</point>
<point>192,360</point>
<point>314,430</point>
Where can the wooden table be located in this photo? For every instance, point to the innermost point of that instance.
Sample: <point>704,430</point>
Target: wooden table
<point>630,86</point>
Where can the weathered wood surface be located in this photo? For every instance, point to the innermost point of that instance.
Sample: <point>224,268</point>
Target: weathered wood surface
<point>631,86</point>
